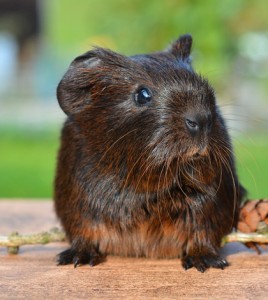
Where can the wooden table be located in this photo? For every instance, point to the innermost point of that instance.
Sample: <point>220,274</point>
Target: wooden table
<point>33,274</point>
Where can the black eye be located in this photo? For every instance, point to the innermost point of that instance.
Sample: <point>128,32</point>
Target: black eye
<point>143,96</point>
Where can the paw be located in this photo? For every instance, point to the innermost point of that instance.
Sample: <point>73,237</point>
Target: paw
<point>71,256</point>
<point>201,263</point>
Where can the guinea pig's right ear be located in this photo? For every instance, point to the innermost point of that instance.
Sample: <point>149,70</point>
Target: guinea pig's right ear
<point>73,91</point>
<point>181,48</point>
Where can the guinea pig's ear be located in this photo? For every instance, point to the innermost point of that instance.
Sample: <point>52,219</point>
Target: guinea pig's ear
<point>181,48</point>
<point>73,91</point>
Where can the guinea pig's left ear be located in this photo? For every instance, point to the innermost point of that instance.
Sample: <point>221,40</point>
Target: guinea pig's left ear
<point>181,48</point>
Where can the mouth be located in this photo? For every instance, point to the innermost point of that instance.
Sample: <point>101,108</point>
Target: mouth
<point>197,153</point>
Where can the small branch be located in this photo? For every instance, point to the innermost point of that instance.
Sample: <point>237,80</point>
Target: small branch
<point>260,238</point>
<point>15,240</point>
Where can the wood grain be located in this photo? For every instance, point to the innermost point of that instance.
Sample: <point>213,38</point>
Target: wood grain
<point>33,273</point>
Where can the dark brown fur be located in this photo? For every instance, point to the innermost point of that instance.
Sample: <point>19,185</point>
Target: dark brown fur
<point>133,179</point>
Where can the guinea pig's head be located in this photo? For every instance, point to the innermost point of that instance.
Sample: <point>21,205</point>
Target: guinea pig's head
<point>142,114</point>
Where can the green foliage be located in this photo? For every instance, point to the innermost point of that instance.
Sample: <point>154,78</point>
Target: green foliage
<point>251,155</point>
<point>27,163</point>
<point>136,26</point>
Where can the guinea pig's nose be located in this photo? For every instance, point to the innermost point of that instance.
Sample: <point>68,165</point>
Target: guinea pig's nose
<point>198,122</point>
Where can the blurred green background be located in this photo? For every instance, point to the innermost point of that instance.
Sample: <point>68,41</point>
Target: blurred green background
<point>38,39</point>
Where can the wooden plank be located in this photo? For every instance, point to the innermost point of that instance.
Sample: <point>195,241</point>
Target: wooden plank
<point>33,273</point>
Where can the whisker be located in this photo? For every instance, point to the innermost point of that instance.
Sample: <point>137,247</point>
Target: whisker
<point>114,143</point>
<point>227,165</point>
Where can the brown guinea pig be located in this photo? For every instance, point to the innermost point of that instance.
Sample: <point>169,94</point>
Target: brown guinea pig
<point>146,166</point>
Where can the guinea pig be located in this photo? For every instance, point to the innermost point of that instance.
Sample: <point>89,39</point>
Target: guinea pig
<point>146,165</point>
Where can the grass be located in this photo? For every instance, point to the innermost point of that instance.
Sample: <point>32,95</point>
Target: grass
<point>252,161</point>
<point>27,163</point>
<point>28,159</point>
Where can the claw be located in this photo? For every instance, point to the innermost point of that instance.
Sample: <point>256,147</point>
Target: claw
<point>201,268</point>
<point>91,262</point>
<point>186,267</point>
<point>187,263</point>
<point>76,261</point>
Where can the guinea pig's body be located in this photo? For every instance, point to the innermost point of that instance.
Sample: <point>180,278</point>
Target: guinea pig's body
<point>146,165</point>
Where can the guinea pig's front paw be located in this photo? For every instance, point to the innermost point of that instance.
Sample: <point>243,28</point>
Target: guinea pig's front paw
<point>201,263</point>
<point>71,256</point>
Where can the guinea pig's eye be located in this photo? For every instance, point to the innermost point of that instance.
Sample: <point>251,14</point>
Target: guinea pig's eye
<point>143,96</point>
